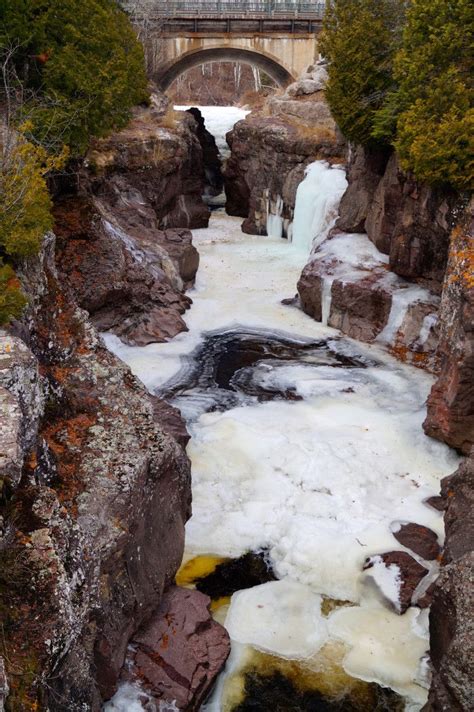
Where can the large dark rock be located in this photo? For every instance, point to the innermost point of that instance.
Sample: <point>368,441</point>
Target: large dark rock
<point>94,531</point>
<point>360,309</point>
<point>419,539</point>
<point>411,222</point>
<point>154,162</point>
<point>179,653</point>
<point>130,280</point>
<point>452,638</point>
<point>458,493</point>
<point>122,247</point>
<point>210,152</point>
<point>407,220</point>
<point>170,420</point>
<point>364,172</point>
<point>450,414</point>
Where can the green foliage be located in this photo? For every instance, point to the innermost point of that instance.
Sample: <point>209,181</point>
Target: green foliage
<point>83,62</point>
<point>25,204</point>
<point>359,39</point>
<point>405,78</point>
<point>12,300</point>
<point>25,210</point>
<point>435,127</point>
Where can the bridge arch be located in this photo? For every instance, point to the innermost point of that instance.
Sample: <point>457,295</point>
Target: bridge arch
<point>167,74</point>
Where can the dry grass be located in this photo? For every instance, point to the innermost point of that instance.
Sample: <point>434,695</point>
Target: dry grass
<point>170,119</point>
<point>312,132</point>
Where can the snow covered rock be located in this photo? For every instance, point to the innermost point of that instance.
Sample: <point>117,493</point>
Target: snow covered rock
<point>397,575</point>
<point>347,285</point>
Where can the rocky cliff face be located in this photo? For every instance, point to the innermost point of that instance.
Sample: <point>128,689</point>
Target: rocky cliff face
<point>451,403</point>
<point>405,220</point>
<point>123,247</point>
<point>157,159</point>
<point>451,622</point>
<point>95,495</point>
<point>94,480</point>
<point>392,291</point>
<point>271,149</point>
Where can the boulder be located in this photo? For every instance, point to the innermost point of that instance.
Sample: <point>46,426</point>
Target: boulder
<point>419,539</point>
<point>405,576</point>
<point>130,278</point>
<point>269,153</point>
<point>179,653</point>
<point>158,159</point>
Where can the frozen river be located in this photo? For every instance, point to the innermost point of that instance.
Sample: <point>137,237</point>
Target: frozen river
<point>312,451</point>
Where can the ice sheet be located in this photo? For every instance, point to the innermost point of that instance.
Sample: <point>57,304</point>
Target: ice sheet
<point>319,481</point>
<point>281,617</point>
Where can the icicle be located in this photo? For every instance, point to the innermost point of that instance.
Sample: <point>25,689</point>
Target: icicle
<point>317,203</point>
<point>401,300</point>
<point>274,219</point>
<point>326,298</point>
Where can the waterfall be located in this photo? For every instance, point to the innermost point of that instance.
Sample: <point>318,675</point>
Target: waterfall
<point>317,203</point>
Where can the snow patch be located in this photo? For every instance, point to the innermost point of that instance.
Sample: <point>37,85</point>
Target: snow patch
<point>387,578</point>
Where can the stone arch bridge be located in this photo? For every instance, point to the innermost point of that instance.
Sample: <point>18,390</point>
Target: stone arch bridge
<point>278,36</point>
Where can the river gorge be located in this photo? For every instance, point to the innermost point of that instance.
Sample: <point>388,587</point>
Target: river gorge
<point>236,425</point>
<point>306,446</point>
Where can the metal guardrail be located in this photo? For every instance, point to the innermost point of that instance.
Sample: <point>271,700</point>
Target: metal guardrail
<point>227,8</point>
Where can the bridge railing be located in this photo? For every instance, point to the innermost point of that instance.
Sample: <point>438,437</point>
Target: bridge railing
<point>229,8</point>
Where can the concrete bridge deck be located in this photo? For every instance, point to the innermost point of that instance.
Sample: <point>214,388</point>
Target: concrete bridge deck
<point>278,36</point>
<point>224,8</point>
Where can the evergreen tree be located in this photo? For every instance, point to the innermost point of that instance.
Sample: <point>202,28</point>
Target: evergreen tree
<point>435,127</point>
<point>359,39</point>
<point>82,62</point>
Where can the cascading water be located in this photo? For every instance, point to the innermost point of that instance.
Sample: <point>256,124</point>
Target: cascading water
<point>306,445</point>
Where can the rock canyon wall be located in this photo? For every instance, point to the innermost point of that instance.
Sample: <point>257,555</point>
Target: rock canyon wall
<point>94,479</point>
